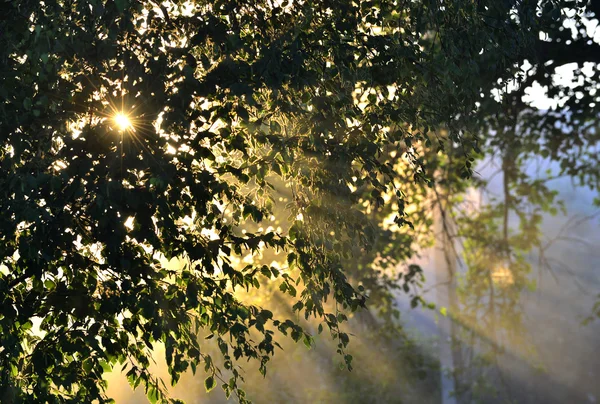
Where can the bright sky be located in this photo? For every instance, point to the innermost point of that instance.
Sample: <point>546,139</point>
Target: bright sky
<point>536,95</point>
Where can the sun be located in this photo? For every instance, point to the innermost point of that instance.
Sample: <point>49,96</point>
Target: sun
<point>122,121</point>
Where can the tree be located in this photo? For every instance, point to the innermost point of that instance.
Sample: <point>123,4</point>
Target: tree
<point>133,131</point>
<point>515,131</point>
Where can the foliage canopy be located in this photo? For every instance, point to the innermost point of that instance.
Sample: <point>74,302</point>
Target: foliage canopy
<point>230,102</point>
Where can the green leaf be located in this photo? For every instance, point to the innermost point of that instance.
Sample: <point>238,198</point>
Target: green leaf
<point>210,383</point>
<point>106,368</point>
<point>307,341</point>
<point>275,128</point>
<point>152,394</point>
<point>88,365</point>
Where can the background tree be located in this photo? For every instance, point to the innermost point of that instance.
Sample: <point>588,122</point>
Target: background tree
<point>500,234</point>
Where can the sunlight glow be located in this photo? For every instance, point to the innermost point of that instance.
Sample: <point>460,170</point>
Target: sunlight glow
<point>502,276</point>
<point>129,223</point>
<point>122,121</point>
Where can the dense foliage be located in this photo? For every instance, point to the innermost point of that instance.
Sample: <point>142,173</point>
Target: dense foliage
<point>231,103</point>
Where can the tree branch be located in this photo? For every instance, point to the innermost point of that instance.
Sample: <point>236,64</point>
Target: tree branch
<point>579,51</point>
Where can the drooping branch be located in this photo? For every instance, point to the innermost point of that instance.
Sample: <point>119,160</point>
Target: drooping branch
<point>579,51</point>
